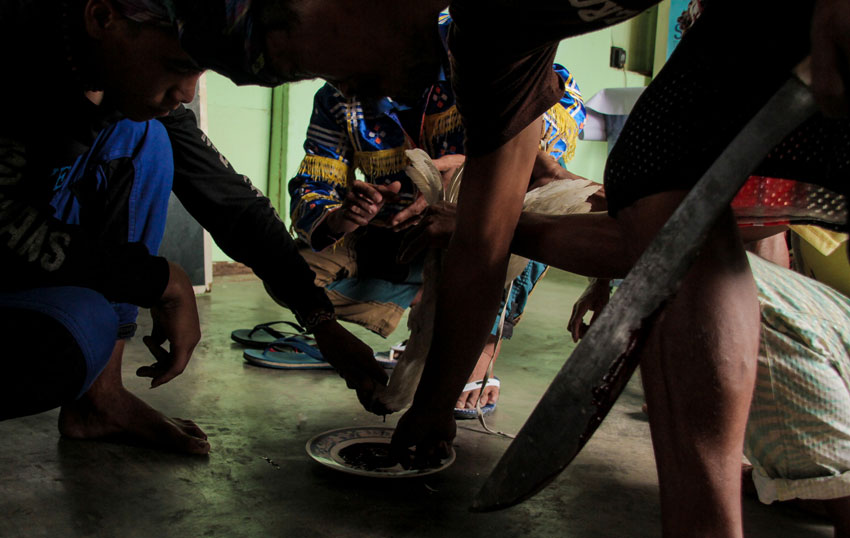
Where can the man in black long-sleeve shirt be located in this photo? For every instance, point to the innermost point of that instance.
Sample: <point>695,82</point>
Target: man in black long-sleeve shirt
<point>85,172</point>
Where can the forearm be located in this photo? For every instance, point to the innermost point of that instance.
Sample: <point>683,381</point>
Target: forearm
<point>474,266</point>
<point>241,220</point>
<point>589,244</point>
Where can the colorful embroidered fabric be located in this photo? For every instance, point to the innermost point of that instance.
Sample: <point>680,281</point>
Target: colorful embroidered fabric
<point>347,135</point>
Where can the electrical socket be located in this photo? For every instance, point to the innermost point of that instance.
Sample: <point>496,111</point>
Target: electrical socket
<point>618,58</point>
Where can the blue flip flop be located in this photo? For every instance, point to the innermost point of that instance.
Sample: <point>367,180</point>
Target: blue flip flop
<point>264,334</point>
<point>465,414</point>
<point>291,353</point>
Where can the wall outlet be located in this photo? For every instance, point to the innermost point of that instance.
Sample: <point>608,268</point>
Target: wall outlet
<point>618,58</point>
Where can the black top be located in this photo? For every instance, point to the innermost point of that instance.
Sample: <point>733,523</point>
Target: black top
<point>502,53</point>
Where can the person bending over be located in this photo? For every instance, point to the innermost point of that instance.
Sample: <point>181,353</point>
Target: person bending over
<point>350,230</point>
<point>84,184</point>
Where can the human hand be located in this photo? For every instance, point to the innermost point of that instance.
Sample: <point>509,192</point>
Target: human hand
<point>431,432</point>
<point>447,165</point>
<point>360,206</point>
<point>410,215</point>
<point>830,65</point>
<point>434,230</point>
<point>354,361</point>
<point>593,299</point>
<point>175,320</point>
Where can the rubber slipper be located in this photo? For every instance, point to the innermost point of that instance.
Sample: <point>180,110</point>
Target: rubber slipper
<point>263,335</point>
<point>388,359</point>
<point>290,353</point>
<point>385,359</point>
<point>465,414</point>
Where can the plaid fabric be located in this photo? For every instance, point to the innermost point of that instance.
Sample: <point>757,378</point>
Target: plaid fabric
<point>798,433</point>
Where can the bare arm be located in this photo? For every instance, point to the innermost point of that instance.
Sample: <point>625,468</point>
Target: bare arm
<point>589,244</point>
<point>488,210</point>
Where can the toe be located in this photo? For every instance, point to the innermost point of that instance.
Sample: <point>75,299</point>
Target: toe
<point>181,441</point>
<point>472,398</point>
<point>190,428</point>
<point>491,396</point>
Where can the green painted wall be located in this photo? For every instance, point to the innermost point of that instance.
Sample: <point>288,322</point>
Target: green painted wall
<point>587,58</point>
<point>238,124</point>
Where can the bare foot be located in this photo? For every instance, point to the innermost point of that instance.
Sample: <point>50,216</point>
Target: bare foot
<point>125,415</point>
<point>107,409</point>
<point>490,395</point>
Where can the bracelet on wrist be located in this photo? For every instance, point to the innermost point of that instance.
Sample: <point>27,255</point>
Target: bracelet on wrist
<point>317,318</point>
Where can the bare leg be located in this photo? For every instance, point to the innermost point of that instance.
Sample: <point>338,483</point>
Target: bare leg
<point>491,394</point>
<point>107,409</point>
<point>698,368</point>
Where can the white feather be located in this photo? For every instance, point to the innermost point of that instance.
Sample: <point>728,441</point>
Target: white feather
<point>424,175</point>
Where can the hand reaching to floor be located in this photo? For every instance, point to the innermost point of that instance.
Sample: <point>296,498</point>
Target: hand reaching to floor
<point>354,360</point>
<point>429,432</point>
<point>175,320</point>
<point>594,299</point>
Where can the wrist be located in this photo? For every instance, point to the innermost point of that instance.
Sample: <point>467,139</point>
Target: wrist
<point>324,233</point>
<point>319,321</point>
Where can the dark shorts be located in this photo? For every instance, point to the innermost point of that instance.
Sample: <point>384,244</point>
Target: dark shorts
<point>726,67</point>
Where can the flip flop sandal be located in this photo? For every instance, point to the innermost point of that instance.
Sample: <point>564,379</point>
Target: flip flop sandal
<point>388,359</point>
<point>465,414</point>
<point>263,335</point>
<point>385,359</point>
<point>290,353</point>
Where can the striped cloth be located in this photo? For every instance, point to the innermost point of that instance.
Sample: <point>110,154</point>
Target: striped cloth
<point>798,434</point>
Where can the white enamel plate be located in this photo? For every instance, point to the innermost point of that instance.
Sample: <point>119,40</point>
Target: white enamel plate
<point>364,451</point>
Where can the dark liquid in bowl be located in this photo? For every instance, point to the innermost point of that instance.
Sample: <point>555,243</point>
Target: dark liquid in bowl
<point>368,456</point>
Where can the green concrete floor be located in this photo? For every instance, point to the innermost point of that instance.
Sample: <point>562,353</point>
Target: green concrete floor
<point>258,480</point>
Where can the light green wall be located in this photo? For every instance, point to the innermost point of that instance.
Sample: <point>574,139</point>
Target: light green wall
<point>587,58</point>
<point>300,110</point>
<point>238,124</point>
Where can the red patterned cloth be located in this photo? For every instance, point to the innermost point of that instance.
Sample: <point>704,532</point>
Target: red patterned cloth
<point>769,201</point>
